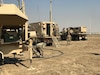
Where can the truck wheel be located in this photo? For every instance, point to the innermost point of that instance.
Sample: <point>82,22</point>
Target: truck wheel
<point>84,38</point>
<point>1,60</point>
<point>80,38</point>
<point>77,38</point>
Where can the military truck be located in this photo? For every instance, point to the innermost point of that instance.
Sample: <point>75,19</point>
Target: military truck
<point>77,33</point>
<point>13,30</point>
<point>45,31</point>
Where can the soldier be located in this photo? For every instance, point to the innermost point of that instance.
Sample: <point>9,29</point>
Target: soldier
<point>38,48</point>
<point>68,36</point>
<point>54,30</point>
<point>64,34</point>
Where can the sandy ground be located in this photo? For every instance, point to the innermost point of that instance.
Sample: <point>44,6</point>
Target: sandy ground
<point>78,58</point>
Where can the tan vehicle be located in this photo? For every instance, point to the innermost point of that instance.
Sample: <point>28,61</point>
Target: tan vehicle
<point>45,31</point>
<point>13,29</point>
<point>77,33</point>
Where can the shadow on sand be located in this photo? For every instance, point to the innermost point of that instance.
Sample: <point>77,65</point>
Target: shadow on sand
<point>97,54</point>
<point>8,60</point>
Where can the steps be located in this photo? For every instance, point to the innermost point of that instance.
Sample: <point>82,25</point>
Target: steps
<point>55,41</point>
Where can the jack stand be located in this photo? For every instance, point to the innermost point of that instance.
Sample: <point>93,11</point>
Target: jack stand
<point>31,68</point>
<point>14,55</point>
<point>30,54</point>
<point>2,57</point>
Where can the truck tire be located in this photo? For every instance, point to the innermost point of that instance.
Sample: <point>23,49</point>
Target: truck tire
<point>76,37</point>
<point>1,60</point>
<point>80,38</point>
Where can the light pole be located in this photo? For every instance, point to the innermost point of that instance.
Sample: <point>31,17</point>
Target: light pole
<point>50,10</point>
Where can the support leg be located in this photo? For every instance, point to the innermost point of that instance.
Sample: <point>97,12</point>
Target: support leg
<point>30,55</point>
<point>2,57</point>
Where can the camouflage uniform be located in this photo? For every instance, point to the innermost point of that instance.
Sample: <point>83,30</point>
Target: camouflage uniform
<point>68,36</point>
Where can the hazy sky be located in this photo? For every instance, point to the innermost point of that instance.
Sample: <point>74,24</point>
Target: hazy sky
<point>66,13</point>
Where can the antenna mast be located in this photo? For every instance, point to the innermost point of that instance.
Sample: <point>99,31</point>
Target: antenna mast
<point>1,2</point>
<point>23,6</point>
<point>18,3</point>
<point>50,10</point>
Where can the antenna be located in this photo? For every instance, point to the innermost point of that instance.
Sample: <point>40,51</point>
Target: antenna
<point>23,6</point>
<point>18,3</point>
<point>50,10</point>
<point>1,2</point>
<point>90,24</point>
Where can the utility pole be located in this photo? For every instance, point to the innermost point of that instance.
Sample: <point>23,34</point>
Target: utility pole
<point>26,36</point>
<point>50,10</point>
<point>25,28</point>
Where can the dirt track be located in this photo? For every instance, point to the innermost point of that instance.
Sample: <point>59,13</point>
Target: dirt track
<point>79,58</point>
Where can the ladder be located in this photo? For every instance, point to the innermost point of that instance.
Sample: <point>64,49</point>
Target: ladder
<point>55,41</point>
